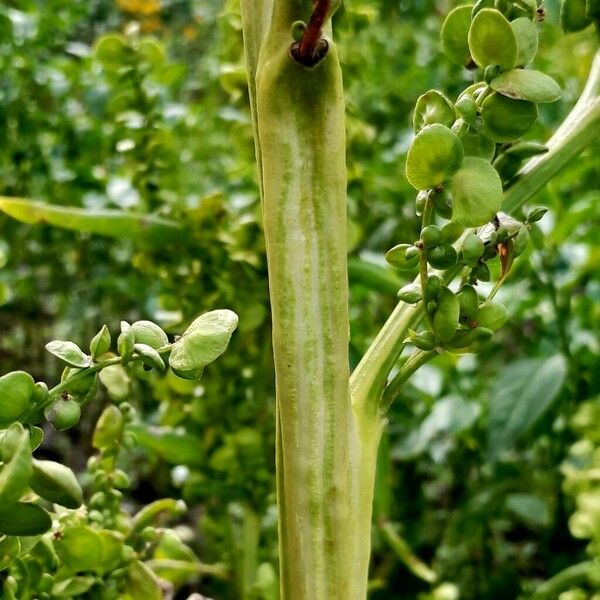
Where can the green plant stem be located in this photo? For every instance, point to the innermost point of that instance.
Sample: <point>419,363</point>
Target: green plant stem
<point>566,579</point>
<point>95,368</point>
<point>402,550</point>
<point>580,129</point>
<point>414,362</point>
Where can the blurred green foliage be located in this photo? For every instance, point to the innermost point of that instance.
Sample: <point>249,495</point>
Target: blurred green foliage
<point>487,468</point>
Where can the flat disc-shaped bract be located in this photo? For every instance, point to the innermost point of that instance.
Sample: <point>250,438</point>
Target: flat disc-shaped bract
<point>434,156</point>
<point>24,519</point>
<point>505,119</point>
<point>492,40</point>
<point>433,107</point>
<point>524,84</point>
<point>16,391</point>
<point>527,40</point>
<point>454,35</point>
<point>476,192</point>
<point>476,144</point>
<point>573,16</point>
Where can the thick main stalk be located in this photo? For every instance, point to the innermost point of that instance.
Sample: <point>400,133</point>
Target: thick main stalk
<point>325,454</point>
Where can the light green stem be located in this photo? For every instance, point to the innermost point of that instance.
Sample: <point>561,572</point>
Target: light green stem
<point>326,451</point>
<point>579,130</point>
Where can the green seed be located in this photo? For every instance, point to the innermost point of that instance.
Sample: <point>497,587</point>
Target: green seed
<point>431,236</point>
<point>452,231</point>
<point>424,340</point>
<point>432,287</point>
<point>469,301</point>
<point>492,315</point>
<point>432,107</point>
<point>445,318</point>
<point>472,249</point>
<point>56,483</point>
<point>442,257</point>
<point>397,258</point>
<point>411,293</point>
<point>64,414</point>
<point>492,40</point>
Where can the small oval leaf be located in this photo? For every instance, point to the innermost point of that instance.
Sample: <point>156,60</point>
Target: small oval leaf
<point>476,192</point>
<point>454,35</point>
<point>16,392</point>
<point>70,353</point>
<point>525,84</point>
<point>56,483</point>
<point>434,156</point>
<point>202,343</point>
<point>505,119</point>
<point>492,40</point>
<point>527,40</point>
<point>24,519</point>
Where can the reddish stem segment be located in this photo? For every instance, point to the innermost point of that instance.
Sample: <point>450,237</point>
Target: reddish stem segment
<point>309,44</point>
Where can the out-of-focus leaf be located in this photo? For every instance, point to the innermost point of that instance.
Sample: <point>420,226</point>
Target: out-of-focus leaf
<point>521,394</point>
<point>112,223</point>
<point>372,276</point>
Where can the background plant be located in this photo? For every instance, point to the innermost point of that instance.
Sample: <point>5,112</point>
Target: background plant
<point>55,104</point>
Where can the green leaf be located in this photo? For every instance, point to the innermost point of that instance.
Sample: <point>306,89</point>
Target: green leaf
<point>522,393</point>
<point>476,144</point>
<point>505,119</point>
<point>573,15</point>
<point>476,192</point>
<point>525,84</point>
<point>9,550</point>
<point>109,428</point>
<point>24,519</point>
<point>100,343</point>
<point>56,483</point>
<point>372,276</point>
<point>492,40</point>
<point>176,447</point>
<point>530,508</point>
<point>116,381</point>
<point>73,586</point>
<point>111,49</point>
<point>454,35</point>
<point>80,547</point>
<point>433,107</point>
<point>149,333</point>
<point>527,40</point>
<point>434,156</point>
<point>70,353</point>
<point>202,343</point>
<point>111,223</point>
<point>16,473</point>
<point>141,583</point>
<point>16,392</point>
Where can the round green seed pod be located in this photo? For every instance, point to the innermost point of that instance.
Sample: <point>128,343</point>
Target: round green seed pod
<point>452,231</point>
<point>442,203</point>
<point>506,119</point>
<point>411,293</point>
<point>468,301</point>
<point>445,318</point>
<point>431,236</point>
<point>420,202</point>
<point>64,414</point>
<point>397,258</point>
<point>425,340</point>
<point>472,250</point>
<point>466,109</point>
<point>482,272</point>
<point>442,257</point>
<point>492,315</point>
<point>432,287</point>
